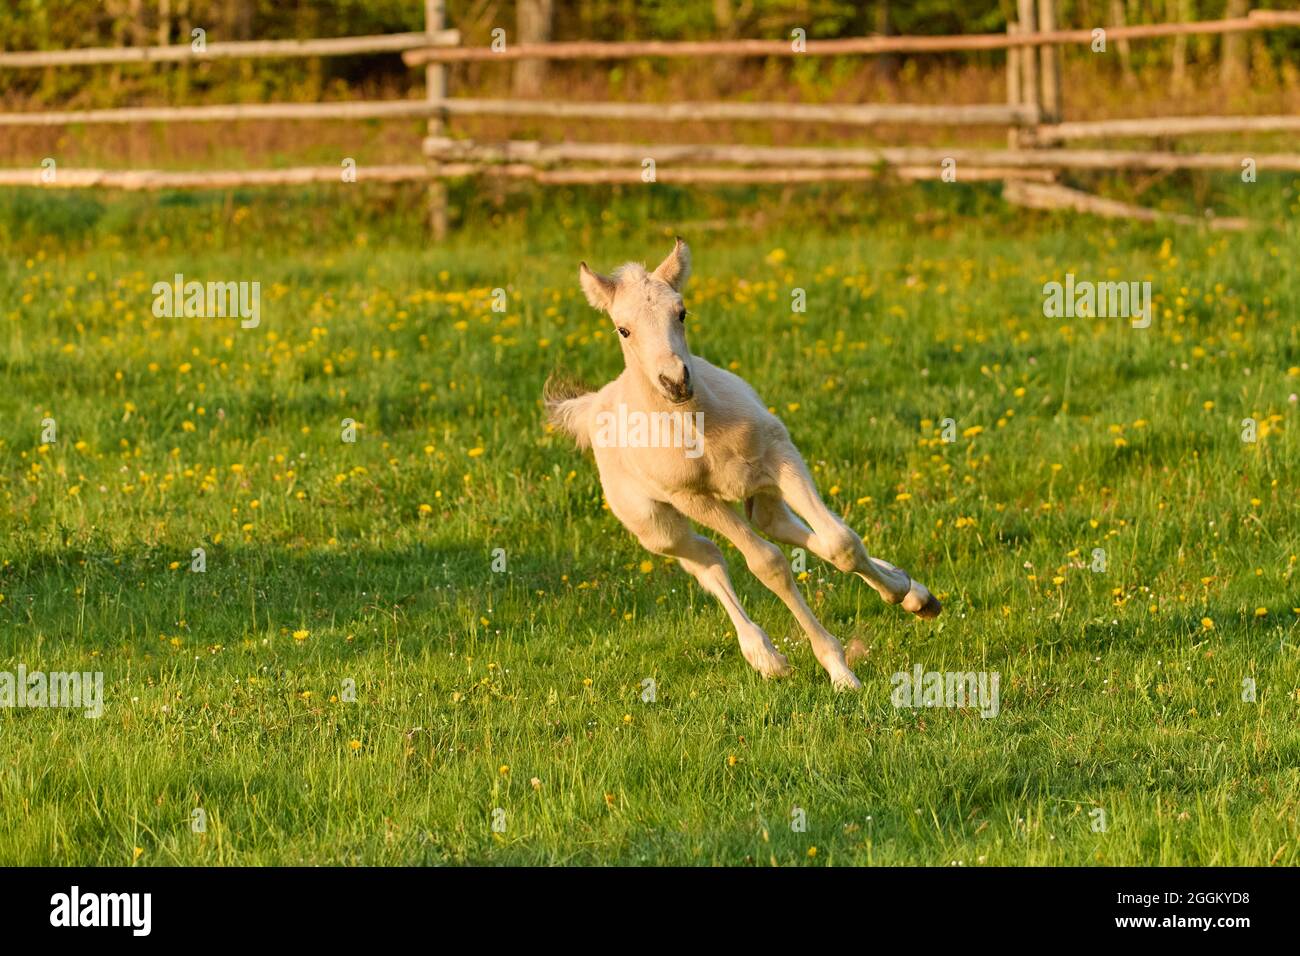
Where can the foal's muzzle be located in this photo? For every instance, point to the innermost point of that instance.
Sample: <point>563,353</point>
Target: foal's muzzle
<point>681,391</point>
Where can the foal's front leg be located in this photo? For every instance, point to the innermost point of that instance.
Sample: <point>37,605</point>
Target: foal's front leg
<point>662,529</point>
<point>769,565</point>
<point>703,559</point>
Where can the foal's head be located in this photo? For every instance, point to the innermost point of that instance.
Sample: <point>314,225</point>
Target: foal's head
<point>648,313</point>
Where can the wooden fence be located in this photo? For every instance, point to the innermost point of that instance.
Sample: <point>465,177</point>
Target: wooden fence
<point>1032,115</point>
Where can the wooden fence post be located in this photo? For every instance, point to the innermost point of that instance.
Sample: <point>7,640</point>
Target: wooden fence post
<point>435,89</point>
<point>1029,90</point>
<point>1050,64</point>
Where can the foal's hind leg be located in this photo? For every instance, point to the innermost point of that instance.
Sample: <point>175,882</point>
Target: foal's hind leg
<point>832,540</point>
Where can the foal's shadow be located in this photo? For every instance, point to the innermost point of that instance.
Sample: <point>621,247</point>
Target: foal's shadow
<point>76,597</point>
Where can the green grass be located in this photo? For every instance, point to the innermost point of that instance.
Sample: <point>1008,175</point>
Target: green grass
<point>922,305</point>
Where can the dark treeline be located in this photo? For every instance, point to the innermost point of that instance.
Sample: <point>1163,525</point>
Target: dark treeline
<point>63,24</point>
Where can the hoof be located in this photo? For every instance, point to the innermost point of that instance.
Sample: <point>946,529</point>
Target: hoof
<point>921,602</point>
<point>846,681</point>
<point>776,668</point>
<point>767,660</point>
<point>931,609</point>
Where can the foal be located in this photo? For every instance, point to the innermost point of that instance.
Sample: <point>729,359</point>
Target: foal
<point>703,439</point>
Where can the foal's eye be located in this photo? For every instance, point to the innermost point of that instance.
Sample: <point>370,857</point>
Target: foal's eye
<point>681,316</point>
<point>623,332</point>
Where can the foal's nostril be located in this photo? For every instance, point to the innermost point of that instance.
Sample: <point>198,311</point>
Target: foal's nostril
<point>679,391</point>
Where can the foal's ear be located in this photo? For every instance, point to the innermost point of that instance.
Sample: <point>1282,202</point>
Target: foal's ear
<point>676,269</point>
<point>598,289</point>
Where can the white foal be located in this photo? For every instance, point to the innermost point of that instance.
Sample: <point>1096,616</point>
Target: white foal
<point>660,474</point>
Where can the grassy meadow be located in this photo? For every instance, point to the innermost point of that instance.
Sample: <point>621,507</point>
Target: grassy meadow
<point>515,697</point>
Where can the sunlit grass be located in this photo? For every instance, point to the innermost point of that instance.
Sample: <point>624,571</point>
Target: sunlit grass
<point>332,565</point>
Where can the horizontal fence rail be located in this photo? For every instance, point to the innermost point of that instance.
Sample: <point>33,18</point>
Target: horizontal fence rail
<point>1172,126</point>
<point>599,50</point>
<point>228,50</point>
<point>226,112</point>
<point>847,114</point>
<point>154,179</point>
<point>136,179</point>
<point>727,175</point>
<point>532,151</point>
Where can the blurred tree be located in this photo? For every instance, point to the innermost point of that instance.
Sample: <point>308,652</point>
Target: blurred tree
<point>1178,11</point>
<point>726,26</point>
<point>533,25</point>
<point>1119,17</point>
<point>1232,67</point>
<point>66,24</point>
<point>886,67</point>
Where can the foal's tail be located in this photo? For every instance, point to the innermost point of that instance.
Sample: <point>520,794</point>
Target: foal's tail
<point>568,407</point>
